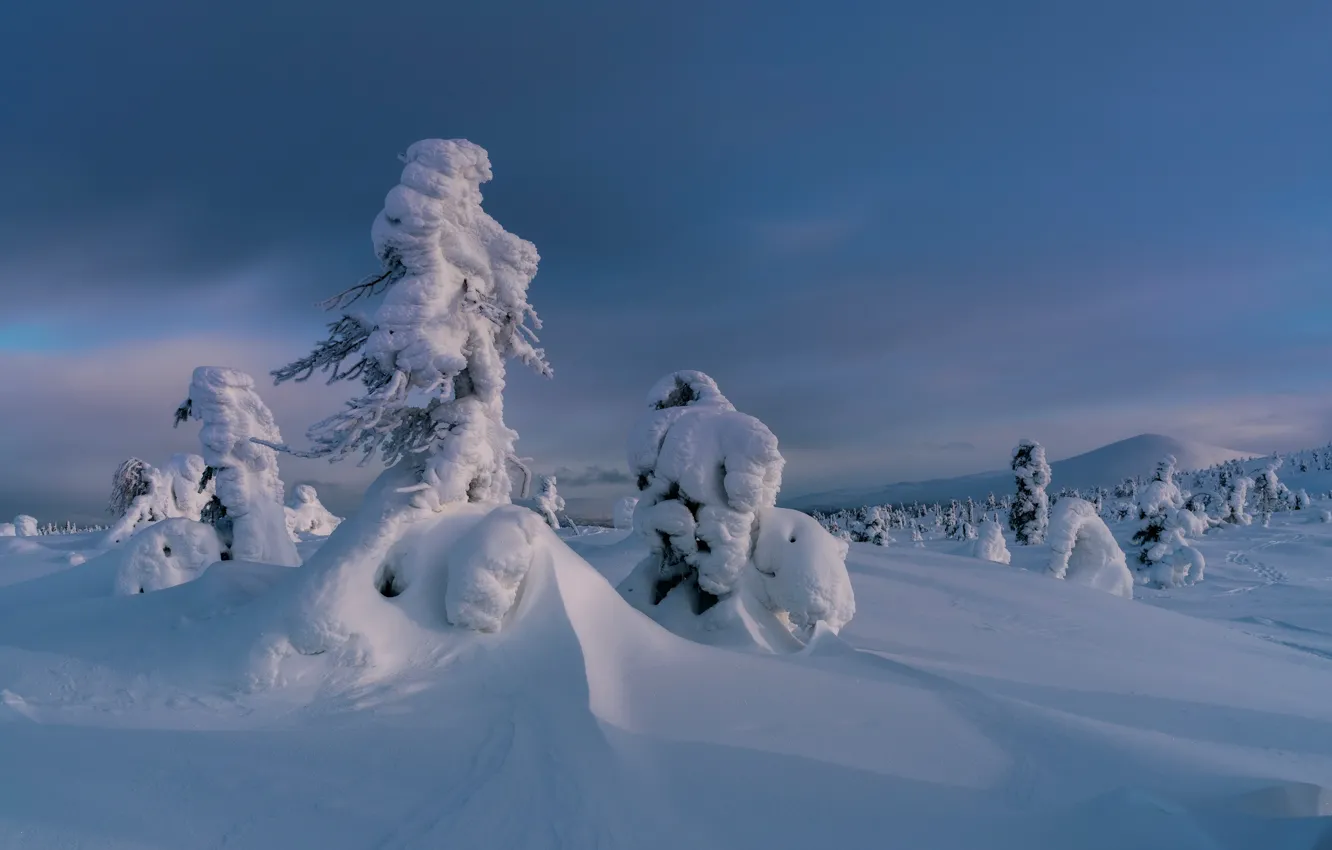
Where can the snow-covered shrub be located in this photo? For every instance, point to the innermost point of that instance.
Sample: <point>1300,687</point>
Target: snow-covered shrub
<point>1302,500</point>
<point>624,512</point>
<point>431,356</point>
<point>704,472</point>
<point>307,515</point>
<point>1161,493</point>
<point>183,488</point>
<point>1029,516</point>
<point>249,492</point>
<point>708,477</point>
<point>549,501</point>
<point>990,545</point>
<point>876,527</point>
<point>7,529</point>
<point>1166,555</point>
<point>1234,497</point>
<point>917,536</point>
<point>1084,550</point>
<point>1268,491</point>
<point>802,571</point>
<point>165,554</point>
<point>26,526</point>
<point>487,566</point>
<point>1323,516</point>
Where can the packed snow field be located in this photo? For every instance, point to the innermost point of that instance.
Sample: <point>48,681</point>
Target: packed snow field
<point>230,665</point>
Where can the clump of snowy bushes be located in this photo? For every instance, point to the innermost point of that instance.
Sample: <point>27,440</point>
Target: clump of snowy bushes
<point>307,515</point>
<point>1166,556</point>
<point>708,478</point>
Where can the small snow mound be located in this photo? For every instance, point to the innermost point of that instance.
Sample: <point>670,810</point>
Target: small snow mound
<point>487,567</point>
<point>802,571</point>
<point>165,554</point>
<point>1085,551</point>
<point>990,545</point>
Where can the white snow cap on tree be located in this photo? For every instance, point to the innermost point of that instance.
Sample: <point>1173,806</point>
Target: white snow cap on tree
<point>146,495</point>
<point>431,356</point>
<point>1029,516</point>
<point>245,471</point>
<point>990,545</point>
<point>1161,493</point>
<point>1085,551</point>
<point>307,515</point>
<point>704,472</point>
<point>25,526</point>
<point>549,501</point>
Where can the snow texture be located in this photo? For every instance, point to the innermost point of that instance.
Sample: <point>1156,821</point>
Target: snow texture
<point>1030,514</point>
<point>990,545</point>
<point>245,471</point>
<point>802,571</point>
<point>432,355</point>
<point>25,526</point>
<point>165,554</point>
<point>1084,550</point>
<point>549,501</point>
<point>307,515</point>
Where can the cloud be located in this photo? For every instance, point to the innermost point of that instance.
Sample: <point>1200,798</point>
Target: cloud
<point>590,475</point>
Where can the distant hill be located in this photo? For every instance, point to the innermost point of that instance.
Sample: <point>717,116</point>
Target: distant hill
<point>1105,466</point>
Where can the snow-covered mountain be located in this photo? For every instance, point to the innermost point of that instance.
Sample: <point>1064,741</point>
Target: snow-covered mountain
<point>1100,467</point>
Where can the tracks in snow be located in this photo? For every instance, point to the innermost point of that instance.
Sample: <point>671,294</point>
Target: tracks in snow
<point>1269,574</point>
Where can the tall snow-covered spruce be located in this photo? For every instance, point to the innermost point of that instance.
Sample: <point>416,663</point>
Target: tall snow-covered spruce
<point>1029,516</point>
<point>708,478</point>
<point>427,337</point>
<point>431,355</point>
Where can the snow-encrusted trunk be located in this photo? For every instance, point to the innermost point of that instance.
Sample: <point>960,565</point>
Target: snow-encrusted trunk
<point>549,501</point>
<point>245,472</point>
<point>1029,516</point>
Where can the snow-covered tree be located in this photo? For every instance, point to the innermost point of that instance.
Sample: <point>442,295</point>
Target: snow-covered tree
<point>1302,500</point>
<point>876,527</point>
<point>549,501</point>
<point>431,356</point>
<point>26,526</point>
<point>1084,550</point>
<point>132,479</point>
<point>1030,514</point>
<point>237,434</point>
<point>1234,497</point>
<point>1161,493</point>
<point>708,478</point>
<point>990,545</point>
<point>624,512</point>
<point>307,515</point>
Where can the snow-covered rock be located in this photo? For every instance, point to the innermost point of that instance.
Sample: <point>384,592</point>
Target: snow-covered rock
<point>165,554</point>
<point>802,571</point>
<point>1084,550</point>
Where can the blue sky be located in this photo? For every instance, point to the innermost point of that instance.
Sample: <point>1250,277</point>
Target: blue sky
<point>904,235</point>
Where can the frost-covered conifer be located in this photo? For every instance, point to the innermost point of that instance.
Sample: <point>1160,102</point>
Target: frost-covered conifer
<point>132,479</point>
<point>990,545</point>
<point>431,355</point>
<point>1268,490</point>
<point>624,512</point>
<point>1030,514</point>
<point>26,526</point>
<point>876,528</point>
<point>1084,551</point>
<point>1302,500</point>
<point>549,501</point>
<point>1234,497</point>
<point>237,434</point>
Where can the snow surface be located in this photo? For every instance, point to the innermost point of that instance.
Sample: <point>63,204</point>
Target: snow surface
<point>967,705</point>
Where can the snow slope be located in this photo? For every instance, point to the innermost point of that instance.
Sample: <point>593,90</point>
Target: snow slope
<point>1105,466</point>
<point>968,705</point>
